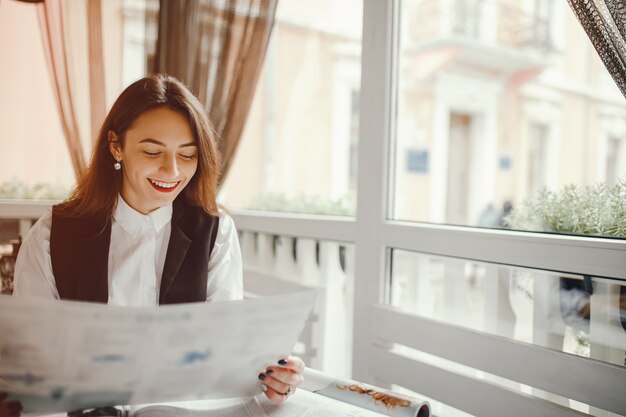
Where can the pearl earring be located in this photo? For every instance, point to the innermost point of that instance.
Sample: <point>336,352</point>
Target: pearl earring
<point>117,166</point>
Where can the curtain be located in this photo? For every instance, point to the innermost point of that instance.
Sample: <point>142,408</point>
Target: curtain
<point>52,30</point>
<point>216,47</point>
<point>605,24</point>
<point>72,37</point>
<point>96,67</point>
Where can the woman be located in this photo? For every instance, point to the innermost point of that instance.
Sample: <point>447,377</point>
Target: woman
<point>143,222</point>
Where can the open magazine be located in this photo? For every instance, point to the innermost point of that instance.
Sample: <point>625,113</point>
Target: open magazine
<point>237,407</point>
<point>332,398</point>
<point>308,404</point>
<point>320,396</point>
<point>377,400</point>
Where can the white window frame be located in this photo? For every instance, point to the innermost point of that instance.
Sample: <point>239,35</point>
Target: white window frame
<point>375,234</point>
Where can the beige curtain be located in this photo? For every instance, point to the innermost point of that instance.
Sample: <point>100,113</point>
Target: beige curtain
<point>216,47</point>
<point>72,37</point>
<point>51,24</point>
<point>97,92</point>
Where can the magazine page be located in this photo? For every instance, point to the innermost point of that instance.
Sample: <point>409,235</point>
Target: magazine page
<point>63,355</point>
<point>236,407</point>
<point>307,404</point>
<point>363,395</point>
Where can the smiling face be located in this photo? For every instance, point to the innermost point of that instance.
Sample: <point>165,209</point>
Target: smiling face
<point>158,157</point>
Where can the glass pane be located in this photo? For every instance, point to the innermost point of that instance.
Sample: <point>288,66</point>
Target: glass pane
<point>298,150</point>
<point>276,264</point>
<point>34,158</point>
<point>506,118</point>
<point>34,161</point>
<point>538,307</point>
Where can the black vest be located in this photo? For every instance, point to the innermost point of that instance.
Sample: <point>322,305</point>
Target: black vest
<point>79,249</point>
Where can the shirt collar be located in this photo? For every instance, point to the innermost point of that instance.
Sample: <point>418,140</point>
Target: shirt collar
<point>131,220</point>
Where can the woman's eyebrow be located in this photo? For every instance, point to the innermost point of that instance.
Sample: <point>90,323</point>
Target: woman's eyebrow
<point>188,144</point>
<point>154,141</point>
<point>160,143</point>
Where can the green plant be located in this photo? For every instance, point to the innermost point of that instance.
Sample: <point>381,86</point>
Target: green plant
<point>585,210</point>
<point>17,189</point>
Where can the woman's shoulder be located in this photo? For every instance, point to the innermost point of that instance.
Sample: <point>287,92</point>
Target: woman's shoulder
<point>226,222</point>
<point>42,226</point>
<point>46,218</point>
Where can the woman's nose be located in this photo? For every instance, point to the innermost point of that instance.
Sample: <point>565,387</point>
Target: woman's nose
<point>170,167</point>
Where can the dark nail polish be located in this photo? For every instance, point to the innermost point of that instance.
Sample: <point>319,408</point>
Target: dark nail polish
<point>262,376</point>
<point>269,371</point>
<point>282,362</point>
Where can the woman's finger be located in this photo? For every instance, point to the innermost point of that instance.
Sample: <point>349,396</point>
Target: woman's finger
<point>292,362</point>
<point>286,376</point>
<point>275,397</point>
<point>273,383</point>
<point>280,381</point>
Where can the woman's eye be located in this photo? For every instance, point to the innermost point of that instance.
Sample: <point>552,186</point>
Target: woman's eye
<point>151,154</point>
<point>187,157</point>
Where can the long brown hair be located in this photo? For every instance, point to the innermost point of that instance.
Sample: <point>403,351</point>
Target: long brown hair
<point>98,187</point>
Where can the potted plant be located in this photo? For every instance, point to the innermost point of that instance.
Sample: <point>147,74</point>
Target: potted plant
<point>582,210</point>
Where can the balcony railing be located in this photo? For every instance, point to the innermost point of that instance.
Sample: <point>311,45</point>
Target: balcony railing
<point>486,22</point>
<point>278,264</point>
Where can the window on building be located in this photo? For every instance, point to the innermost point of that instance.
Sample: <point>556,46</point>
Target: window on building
<point>353,163</point>
<point>537,158</point>
<point>615,165</point>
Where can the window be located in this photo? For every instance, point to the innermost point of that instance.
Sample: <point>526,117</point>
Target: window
<point>299,145</point>
<point>615,165</point>
<point>354,142</point>
<point>546,308</point>
<point>35,162</point>
<point>499,120</point>
<point>30,167</point>
<point>537,158</point>
<point>498,124</point>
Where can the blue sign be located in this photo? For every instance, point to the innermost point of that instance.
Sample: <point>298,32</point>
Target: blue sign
<point>417,161</point>
<point>505,162</point>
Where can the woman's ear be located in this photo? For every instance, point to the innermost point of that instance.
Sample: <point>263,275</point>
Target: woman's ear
<point>114,146</point>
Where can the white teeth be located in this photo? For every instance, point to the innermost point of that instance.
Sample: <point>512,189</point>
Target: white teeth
<point>164,184</point>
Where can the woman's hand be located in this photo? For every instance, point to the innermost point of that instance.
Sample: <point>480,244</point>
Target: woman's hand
<point>9,408</point>
<point>280,381</point>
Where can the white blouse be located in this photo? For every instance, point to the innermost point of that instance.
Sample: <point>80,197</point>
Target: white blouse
<point>136,258</point>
